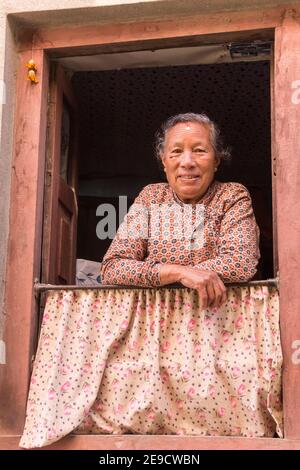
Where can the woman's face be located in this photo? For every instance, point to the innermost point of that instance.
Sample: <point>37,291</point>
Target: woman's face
<point>189,160</point>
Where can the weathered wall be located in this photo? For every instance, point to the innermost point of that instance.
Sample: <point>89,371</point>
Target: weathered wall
<point>7,86</point>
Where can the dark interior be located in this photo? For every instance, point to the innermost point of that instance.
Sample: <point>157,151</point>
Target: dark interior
<point>120,110</point>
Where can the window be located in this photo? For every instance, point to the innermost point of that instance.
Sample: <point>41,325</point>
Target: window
<point>119,110</point>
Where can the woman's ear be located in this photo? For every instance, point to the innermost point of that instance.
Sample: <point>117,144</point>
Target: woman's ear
<point>217,163</point>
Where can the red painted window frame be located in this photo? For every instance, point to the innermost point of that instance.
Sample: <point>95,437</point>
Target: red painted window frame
<point>26,211</point>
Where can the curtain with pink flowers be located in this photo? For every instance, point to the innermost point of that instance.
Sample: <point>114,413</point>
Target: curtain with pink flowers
<point>150,361</point>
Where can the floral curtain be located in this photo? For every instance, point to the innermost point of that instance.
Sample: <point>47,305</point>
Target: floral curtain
<point>149,361</point>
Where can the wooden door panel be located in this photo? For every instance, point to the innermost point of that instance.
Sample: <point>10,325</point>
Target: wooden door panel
<point>60,209</point>
<point>64,245</point>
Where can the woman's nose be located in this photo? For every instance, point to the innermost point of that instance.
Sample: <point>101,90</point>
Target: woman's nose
<point>187,159</point>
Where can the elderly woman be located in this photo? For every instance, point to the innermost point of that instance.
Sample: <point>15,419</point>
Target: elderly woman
<point>119,361</point>
<point>190,149</point>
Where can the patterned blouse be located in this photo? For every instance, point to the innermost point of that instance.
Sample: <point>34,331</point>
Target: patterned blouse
<point>219,233</point>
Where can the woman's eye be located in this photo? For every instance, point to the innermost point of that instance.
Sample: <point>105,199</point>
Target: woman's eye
<point>175,151</point>
<point>199,150</point>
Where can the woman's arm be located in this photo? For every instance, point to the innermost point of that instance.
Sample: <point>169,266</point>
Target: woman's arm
<point>211,289</point>
<point>238,243</point>
<point>124,263</point>
<point>237,257</point>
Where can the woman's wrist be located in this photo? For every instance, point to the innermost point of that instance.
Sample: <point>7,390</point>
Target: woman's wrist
<point>170,273</point>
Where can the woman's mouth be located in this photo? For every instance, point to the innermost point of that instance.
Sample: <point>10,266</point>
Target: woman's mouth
<point>189,178</point>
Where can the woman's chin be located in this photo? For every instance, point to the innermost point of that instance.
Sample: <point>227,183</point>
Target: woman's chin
<point>189,197</point>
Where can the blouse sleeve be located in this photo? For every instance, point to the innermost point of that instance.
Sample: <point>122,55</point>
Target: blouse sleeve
<point>238,243</point>
<point>125,262</point>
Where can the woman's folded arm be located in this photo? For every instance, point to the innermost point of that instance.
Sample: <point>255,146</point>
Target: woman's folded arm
<point>125,262</point>
<point>238,243</point>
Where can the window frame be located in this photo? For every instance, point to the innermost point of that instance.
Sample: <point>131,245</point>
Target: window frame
<point>27,186</point>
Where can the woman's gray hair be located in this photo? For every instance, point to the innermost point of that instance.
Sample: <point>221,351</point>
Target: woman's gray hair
<point>221,152</point>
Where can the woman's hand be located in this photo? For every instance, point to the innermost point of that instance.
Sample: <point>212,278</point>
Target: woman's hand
<point>211,289</point>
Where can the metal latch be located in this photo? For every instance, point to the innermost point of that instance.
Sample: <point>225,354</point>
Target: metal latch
<point>249,49</point>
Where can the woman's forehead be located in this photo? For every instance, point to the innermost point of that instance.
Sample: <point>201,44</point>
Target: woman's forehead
<point>188,130</point>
